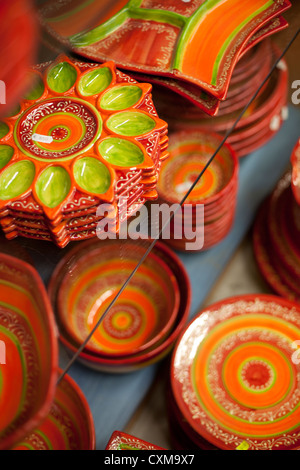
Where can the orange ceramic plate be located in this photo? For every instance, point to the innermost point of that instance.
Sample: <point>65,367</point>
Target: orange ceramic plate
<point>199,42</point>
<point>234,374</point>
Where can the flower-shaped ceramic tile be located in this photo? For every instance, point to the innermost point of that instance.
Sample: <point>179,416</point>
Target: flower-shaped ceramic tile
<point>82,129</point>
<point>198,41</point>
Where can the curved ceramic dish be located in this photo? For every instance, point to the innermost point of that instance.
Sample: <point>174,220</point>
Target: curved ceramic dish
<point>199,42</point>
<point>234,375</point>
<point>268,111</point>
<point>29,350</point>
<point>69,424</point>
<point>135,362</point>
<point>142,316</point>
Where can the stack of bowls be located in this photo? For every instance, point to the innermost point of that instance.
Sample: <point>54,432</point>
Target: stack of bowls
<point>234,377</point>
<point>216,191</point>
<point>142,325</point>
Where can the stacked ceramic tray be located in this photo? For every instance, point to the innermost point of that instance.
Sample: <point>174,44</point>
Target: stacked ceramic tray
<point>191,48</point>
<point>207,214</point>
<point>85,143</point>
<point>141,326</point>
<point>234,379</point>
<point>264,116</point>
<point>276,241</point>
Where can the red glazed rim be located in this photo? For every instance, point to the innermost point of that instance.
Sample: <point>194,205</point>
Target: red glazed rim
<point>88,414</point>
<point>41,414</point>
<point>124,364</point>
<point>263,259</point>
<point>181,136</point>
<point>175,386</point>
<point>150,343</point>
<point>118,437</point>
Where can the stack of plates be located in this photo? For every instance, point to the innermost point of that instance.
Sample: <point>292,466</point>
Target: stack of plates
<point>208,212</point>
<point>142,325</point>
<point>85,142</point>
<point>263,118</point>
<point>189,47</point>
<point>234,379</point>
<point>276,241</point>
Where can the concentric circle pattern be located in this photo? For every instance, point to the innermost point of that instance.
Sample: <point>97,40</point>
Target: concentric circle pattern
<point>141,317</point>
<point>234,376</point>
<point>190,154</point>
<point>72,126</point>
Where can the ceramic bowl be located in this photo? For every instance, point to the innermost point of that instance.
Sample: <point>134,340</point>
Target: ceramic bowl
<point>141,317</point>
<point>190,151</point>
<point>69,424</point>
<point>137,361</point>
<point>28,339</point>
<point>215,192</point>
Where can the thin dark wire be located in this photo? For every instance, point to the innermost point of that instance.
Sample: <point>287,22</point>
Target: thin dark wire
<point>80,349</point>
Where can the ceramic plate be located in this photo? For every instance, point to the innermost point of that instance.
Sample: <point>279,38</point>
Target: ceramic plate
<point>185,36</point>
<point>234,376</point>
<point>85,130</point>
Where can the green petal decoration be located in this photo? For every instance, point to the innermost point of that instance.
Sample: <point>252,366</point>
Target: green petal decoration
<point>84,134</point>
<point>121,97</point>
<point>92,175</point>
<point>16,179</point>
<point>53,186</point>
<point>95,81</point>
<point>6,153</point>
<point>61,77</point>
<point>121,152</point>
<point>131,123</point>
<point>37,88</point>
<point>4,129</point>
